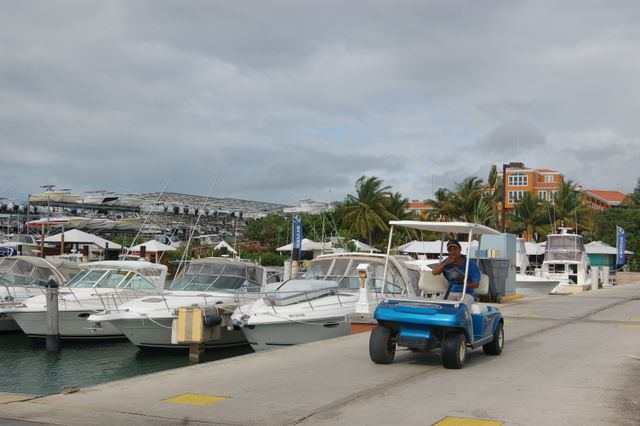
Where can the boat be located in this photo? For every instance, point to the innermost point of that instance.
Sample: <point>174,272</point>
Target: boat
<point>22,277</point>
<point>566,260</point>
<point>66,222</point>
<point>215,284</point>
<point>21,244</point>
<point>529,282</point>
<point>50,195</point>
<point>98,286</point>
<point>315,307</point>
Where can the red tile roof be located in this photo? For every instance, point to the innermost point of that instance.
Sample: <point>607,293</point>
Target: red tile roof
<point>608,196</point>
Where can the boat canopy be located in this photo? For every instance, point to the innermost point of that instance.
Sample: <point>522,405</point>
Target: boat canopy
<point>445,227</point>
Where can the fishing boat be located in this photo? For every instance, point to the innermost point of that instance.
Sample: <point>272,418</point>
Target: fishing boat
<point>50,195</point>
<point>566,260</point>
<point>315,307</point>
<point>215,284</point>
<point>99,286</point>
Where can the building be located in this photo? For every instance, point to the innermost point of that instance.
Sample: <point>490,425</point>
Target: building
<point>543,183</point>
<point>601,200</point>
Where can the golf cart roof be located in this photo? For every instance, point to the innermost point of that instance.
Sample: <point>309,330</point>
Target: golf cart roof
<point>446,227</point>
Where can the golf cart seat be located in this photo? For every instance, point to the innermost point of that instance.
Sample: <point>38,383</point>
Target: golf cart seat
<point>483,289</point>
<point>432,284</point>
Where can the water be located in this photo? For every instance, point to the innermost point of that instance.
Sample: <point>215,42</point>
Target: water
<point>26,367</point>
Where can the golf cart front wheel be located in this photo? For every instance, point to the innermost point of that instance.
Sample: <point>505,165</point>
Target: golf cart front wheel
<point>495,346</point>
<point>454,350</point>
<point>382,345</point>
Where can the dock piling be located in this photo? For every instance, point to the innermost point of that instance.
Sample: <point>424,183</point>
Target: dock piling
<point>53,326</point>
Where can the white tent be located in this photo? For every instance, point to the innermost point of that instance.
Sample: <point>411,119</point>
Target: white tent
<point>152,246</point>
<point>76,236</point>
<point>307,245</point>
<point>224,245</point>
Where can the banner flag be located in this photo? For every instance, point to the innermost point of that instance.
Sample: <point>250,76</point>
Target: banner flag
<point>621,243</point>
<point>297,237</point>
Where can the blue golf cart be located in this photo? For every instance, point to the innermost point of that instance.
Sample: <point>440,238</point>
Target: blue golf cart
<point>430,322</point>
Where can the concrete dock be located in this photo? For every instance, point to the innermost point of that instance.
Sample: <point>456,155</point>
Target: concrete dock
<point>568,360</point>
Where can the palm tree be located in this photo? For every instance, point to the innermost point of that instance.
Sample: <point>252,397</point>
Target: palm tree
<point>366,212</point>
<point>635,196</point>
<point>467,198</point>
<point>494,195</point>
<point>569,206</point>
<point>443,204</point>
<point>528,216</point>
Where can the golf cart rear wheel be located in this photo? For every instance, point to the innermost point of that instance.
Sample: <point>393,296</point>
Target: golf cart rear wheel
<point>454,350</point>
<point>495,346</point>
<point>382,345</point>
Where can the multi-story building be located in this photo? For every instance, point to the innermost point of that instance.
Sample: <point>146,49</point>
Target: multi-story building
<point>543,183</point>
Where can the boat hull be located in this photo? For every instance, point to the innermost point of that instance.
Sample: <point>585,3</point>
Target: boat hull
<point>263,337</point>
<point>8,324</point>
<point>156,333</point>
<point>72,325</point>
<point>532,285</point>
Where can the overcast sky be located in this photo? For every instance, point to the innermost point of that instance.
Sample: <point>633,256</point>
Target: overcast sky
<point>285,100</point>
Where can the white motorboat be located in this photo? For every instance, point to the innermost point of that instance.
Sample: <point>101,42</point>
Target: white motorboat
<point>566,260</point>
<point>215,284</point>
<point>99,286</point>
<point>316,307</point>
<point>53,196</point>
<point>22,277</point>
<point>528,282</point>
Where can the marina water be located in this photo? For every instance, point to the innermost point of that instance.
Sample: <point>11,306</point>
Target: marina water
<point>28,369</point>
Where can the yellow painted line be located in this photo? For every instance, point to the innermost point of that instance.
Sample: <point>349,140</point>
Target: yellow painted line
<point>529,314</point>
<point>195,399</point>
<point>510,297</point>
<point>628,326</point>
<point>508,321</point>
<point>463,421</point>
<point>634,318</point>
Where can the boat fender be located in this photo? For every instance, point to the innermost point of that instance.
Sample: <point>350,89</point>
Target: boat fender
<point>213,319</point>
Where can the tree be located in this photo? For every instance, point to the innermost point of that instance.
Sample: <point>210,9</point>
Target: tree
<point>467,199</point>
<point>494,195</point>
<point>443,204</point>
<point>366,212</point>
<point>569,207</point>
<point>628,217</point>
<point>272,231</point>
<point>528,216</point>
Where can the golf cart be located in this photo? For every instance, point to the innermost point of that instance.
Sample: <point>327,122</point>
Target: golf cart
<point>430,322</point>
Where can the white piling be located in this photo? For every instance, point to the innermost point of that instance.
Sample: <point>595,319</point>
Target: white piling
<point>287,270</point>
<point>53,328</point>
<point>605,276</point>
<point>594,277</point>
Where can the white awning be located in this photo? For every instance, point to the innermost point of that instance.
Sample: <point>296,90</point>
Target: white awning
<point>76,236</point>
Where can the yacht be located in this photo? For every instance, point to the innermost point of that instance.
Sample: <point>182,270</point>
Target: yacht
<point>529,282</point>
<point>22,277</point>
<point>215,284</point>
<point>50,195</point>
<point>316,306</point>
<point>98,286</point>
<point>566,260</point>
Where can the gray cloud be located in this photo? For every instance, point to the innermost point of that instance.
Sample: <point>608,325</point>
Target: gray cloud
<point>284,100</point>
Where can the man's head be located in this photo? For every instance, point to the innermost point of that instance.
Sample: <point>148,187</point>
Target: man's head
<point>453,245</point>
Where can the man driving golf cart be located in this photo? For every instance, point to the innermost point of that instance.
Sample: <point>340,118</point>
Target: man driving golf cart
<point>453,269</point>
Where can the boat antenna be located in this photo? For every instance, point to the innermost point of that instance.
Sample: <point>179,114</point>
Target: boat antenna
<point>146,219</point>
<point>193,229</point>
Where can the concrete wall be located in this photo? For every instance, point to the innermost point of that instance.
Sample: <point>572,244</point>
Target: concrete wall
<point>627,277</point>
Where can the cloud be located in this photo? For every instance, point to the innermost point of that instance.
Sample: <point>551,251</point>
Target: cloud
<point>287,100</point>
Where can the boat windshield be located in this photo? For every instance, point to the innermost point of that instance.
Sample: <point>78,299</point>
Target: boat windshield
<point>344,271</point>
<point>564,247</point>
<point>19,272</point>
<point>219,277</point>
<point>110,278</point>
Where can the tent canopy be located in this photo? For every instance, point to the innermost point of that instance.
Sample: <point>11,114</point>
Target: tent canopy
<point>75,236</point>
<point>224,244</point>
<point>152,246</point>
<point>307,245</point>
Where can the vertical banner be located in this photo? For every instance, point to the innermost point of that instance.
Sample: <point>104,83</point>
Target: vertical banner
<point>621,243</point>
<point>296,235</point>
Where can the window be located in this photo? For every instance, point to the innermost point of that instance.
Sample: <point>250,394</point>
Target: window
<point>518,179</point>
<point>554,196</point>
<point>542,195</point>
<point>548,178</point>
<point>515,196</point>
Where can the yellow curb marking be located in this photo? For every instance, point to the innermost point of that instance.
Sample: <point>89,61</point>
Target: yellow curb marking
<point>628,326</point>
<point>529,314</point>
<point>508,321</point>
<point>634,318</point>
<point>462,421</point>
<point>195,399</point>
